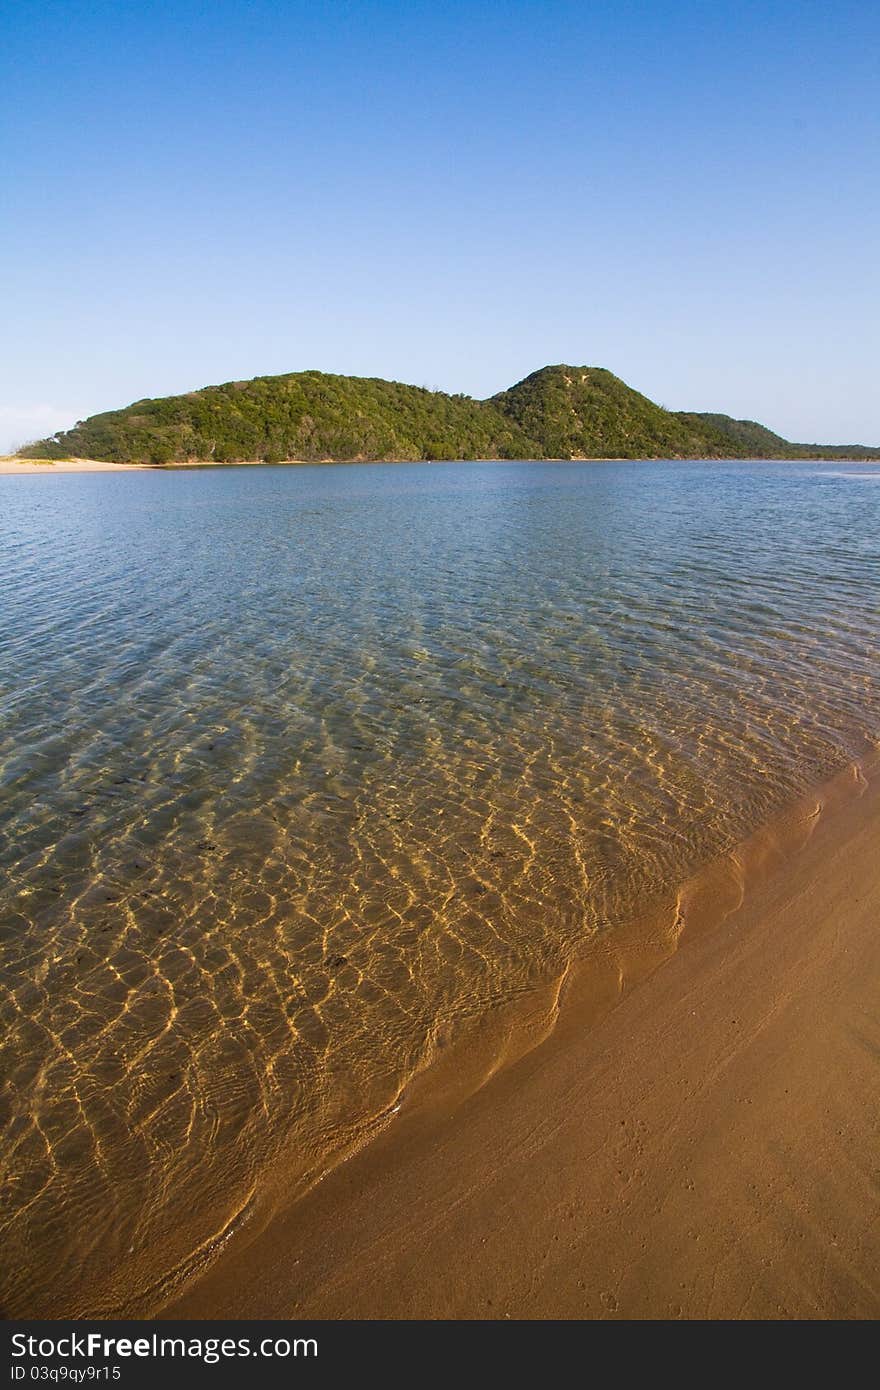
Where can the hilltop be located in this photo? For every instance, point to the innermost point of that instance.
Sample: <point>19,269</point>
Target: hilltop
<point>557,412</point>
<point>587,412</point>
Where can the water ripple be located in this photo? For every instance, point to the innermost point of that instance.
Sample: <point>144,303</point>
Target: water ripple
<point>303,769</point>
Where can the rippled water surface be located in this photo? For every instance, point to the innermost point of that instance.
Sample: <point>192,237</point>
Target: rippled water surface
<point>304,768</point>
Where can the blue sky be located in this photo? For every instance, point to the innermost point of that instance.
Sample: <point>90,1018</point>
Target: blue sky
<point>452,194</point>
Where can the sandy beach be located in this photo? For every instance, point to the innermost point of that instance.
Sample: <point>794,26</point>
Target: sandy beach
<point>702,1145</point>
<point>12,466</point>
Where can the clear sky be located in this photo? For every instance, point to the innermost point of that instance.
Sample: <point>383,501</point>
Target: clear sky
<point>449,193</point>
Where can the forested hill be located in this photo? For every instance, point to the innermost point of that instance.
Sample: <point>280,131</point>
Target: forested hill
<point>759,442</point>
<point>305,415</point>
<point>587,412</point>
<point>557,412</point>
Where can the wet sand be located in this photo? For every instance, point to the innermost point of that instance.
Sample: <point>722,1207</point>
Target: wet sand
<point>702,1145</point>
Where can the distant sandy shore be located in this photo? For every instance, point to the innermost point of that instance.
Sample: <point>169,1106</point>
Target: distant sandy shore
<point>45,467</point>
<point>700,1146</point>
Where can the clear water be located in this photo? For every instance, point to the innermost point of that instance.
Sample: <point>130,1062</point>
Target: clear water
<point>301,769</point>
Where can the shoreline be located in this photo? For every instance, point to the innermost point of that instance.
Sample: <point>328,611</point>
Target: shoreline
<point>597,1153</point>
<point>11,466</point>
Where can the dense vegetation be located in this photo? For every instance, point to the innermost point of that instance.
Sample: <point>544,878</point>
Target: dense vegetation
<point>750,436</point>
<point>306,415</point>
<point>758,442</point>
<point>586,412</point>
<point>558,412</point>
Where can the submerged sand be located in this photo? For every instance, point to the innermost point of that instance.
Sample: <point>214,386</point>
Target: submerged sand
<point>701,1146</point>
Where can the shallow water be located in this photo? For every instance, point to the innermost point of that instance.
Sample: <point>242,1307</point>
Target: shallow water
<point>302,769</point>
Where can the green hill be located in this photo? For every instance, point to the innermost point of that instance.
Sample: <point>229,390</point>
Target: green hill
<point>586,412</point>
<point>757,441</point>
<point>557,412</point>
<point>305,415</point>
<point>747,434</point>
